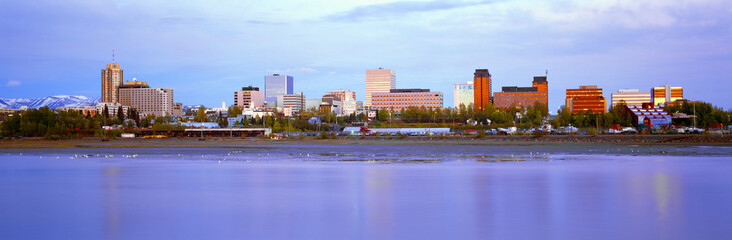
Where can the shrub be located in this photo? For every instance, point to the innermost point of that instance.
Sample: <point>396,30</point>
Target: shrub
<point>481,134</point>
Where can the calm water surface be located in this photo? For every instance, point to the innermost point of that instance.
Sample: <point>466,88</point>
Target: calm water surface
<point>368,192</point>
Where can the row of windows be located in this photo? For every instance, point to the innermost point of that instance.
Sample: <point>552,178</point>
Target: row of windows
<point>411,103</point>
<point>405,99</point>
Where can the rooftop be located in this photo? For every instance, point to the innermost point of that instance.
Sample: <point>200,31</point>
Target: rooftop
<point>408,90</point>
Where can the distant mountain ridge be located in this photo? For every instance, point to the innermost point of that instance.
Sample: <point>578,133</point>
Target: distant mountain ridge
<point>51,102</point>
<point>192,106</point>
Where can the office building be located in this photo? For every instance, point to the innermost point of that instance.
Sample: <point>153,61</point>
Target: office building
<point>277,85</point>
<point>249,97</point>
<point>295,102</point>
<point>112,78</point>
<point>542,85</point>
<point>347,100</point>
<point>523,97</point>
<point>666,93</point>
<point>112,109</point>
<point>146,100</point>
<point>585,98</point>
<point>397,99</point>
<point>331,104</point>
<point>463,94</point>
<point>482,89</point>
<point>379,81</point>
<point>630,97</point>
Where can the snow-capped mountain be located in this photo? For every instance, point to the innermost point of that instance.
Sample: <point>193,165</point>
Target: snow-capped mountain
<point>192,106</point>
<point>51,102</point>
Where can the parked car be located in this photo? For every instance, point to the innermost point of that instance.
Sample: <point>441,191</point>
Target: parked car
<point>626,130</point>
<point>613,131</point>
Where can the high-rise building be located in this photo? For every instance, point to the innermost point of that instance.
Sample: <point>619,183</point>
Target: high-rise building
<point>463,94</point>
<point>379,81</point>
<point>542,85</point>
<point>295,102</point>
<point>112,78</point>
<point>277,85</point>
<point>482,89</point>
<point>666,93</point>
<point>630,97</point>
<point>397,99</point>
<point>146,100</point>
<point>249,97</point>
<point>585,98</point>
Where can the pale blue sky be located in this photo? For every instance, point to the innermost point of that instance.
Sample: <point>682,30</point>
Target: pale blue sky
<point>205,50</point>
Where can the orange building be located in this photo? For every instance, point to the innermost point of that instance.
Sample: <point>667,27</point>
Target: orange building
<point>586,98</point>
<point>523,96</point>
<point>542,86</point>
<point>482,89</point>
<point>666,93</point>
<point>397,99</point>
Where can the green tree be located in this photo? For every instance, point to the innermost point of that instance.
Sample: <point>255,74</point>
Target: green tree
<point>222,121</point>
<point>201,115</point>
<point>234,110</point>
<point>120,113</point>
<point>382,115</point>
<point>105,112</point>
<point>134,115</point>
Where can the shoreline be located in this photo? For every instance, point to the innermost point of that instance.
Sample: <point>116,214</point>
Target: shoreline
<point>723,140</point>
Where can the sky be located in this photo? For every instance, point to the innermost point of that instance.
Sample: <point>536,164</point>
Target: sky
<point>206,50</point>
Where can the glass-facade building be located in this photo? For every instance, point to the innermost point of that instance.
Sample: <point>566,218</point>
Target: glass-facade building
<point>666,93</point>
<point>585,98</point>
<point>379,81</point>
<point>630,97</point>
<point>277,85</point>
<point>463,94</point>
<point>482,85</point>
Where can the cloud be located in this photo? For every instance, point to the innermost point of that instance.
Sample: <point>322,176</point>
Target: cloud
<point>386,10</point>
<point>259,22</point>
<point>182,20</point>
<point>302,70</point>
<point>12,84</point>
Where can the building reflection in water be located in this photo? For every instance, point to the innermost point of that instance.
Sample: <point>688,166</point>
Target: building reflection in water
<point>379,203</point>
<point>111,202</point>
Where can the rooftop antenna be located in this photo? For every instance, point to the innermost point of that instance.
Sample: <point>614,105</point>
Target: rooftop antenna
<point>112,55</point>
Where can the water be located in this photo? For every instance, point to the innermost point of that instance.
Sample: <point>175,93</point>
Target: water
<point>367,192</point>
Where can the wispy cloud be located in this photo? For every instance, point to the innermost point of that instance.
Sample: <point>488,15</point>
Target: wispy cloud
<point>12,83</point>
<point>302,70</point>
<point>182,20</point>
<point>259,22</point>
<point>387,10</point>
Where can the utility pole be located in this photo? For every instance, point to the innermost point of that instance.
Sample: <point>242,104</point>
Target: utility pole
<point>694,115</point>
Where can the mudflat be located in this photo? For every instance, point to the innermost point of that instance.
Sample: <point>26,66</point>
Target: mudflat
<point>369,140</point>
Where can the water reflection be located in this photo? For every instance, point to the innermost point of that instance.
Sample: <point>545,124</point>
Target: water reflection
<point>111,202</point>
<point>298,193</point>
<point>379,214</point>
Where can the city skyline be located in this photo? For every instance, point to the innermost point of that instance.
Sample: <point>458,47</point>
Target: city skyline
<point>431,44</point>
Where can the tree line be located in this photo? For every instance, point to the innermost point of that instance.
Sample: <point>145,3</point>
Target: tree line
<point>44,122</point>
